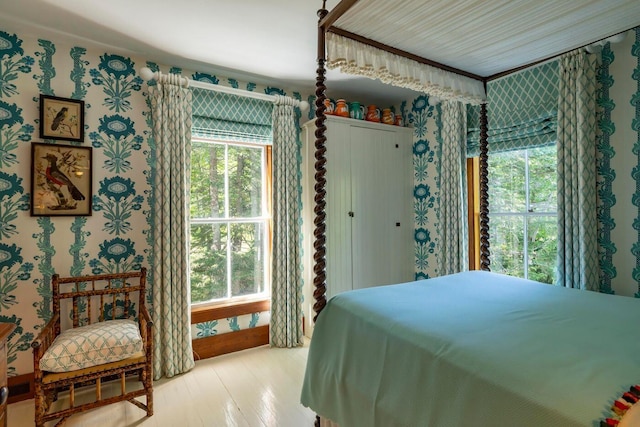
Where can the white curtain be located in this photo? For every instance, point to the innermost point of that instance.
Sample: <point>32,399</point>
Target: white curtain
<point>286,284</point>
<point>452,222</point>
<point>577,226</point>
<point>171,114</point>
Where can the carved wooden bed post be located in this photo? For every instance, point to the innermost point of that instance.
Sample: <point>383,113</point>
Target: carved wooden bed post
<point>319,231</point>
<point>484,189</point>
<point>319,243</point>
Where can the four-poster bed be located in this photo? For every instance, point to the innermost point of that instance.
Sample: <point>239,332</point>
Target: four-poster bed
<point>467,388</point>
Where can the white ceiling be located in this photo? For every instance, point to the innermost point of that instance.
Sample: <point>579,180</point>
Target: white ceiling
<point>486,37</point>
<point>274,41</point>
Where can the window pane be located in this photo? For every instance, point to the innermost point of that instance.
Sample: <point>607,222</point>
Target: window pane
<point>208,259</point>
<point>247,258</point>
<point>543,179</point>
<point>507,182</point>
<point>543,246</point>
<point>207,180</point>
<point>507,245</point>
<point>245,181</point>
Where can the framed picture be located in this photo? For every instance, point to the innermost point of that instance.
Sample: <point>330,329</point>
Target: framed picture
<point>61,118</point>
<point>60,180</point>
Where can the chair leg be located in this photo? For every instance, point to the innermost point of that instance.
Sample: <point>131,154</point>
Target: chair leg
<point>148,386</point>
<point>40,410</point>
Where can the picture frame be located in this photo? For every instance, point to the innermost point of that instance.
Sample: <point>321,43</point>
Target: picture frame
<point>61,180</point>
<point>61,118</point>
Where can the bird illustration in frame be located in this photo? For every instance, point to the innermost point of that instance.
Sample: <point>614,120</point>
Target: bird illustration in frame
<point>61,179</point>
<point>61,118</point>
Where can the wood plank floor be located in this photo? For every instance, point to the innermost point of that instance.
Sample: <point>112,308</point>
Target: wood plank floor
<point>251,388</point>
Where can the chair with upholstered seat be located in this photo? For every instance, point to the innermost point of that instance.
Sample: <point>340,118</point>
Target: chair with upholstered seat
<point>100,332</point>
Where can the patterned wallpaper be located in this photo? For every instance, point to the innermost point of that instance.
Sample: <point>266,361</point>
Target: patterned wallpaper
<point>619,167</point>
<point>425,119</point>
<point>117,236</point>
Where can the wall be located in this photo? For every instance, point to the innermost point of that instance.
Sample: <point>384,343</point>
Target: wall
<point>619,167</point>
<point>116,237</point>
<point>425,119</point>
<point>618,171</point>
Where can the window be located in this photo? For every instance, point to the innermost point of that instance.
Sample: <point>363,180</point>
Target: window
<point>229,221</point>
<point>523,226</point>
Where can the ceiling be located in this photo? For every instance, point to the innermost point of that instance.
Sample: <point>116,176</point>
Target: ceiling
<point>274,42</point>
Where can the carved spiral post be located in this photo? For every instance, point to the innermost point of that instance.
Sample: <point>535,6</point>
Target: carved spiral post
<point>484,190</point>
<point>319,232</point>
<point>319,243</point>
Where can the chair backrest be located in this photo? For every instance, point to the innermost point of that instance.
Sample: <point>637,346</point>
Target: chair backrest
<point>85,300</point>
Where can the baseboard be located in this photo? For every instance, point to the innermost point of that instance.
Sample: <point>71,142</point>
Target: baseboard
<point>20,387</point>
<point>216,345</point>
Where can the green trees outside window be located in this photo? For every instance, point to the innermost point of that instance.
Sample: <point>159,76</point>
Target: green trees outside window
<point>523,213</point>
<point>228,238</point>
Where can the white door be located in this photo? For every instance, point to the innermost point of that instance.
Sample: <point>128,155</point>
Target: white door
<point>372,156</point>
<point>338,198</point>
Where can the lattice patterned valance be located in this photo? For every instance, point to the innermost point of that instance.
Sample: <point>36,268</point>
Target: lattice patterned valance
<point>357,58</point>
<point>220,115</point>
<point>522,111</point>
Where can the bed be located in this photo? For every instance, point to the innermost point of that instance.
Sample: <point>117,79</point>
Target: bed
<point>472,349</point>
<point>461,389</point>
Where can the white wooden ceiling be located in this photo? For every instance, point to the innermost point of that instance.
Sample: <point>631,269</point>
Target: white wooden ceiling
<point>486,37</point>
<point>275,41</point>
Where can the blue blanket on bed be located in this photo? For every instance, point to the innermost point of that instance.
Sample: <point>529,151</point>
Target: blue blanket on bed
<point>473,349</point>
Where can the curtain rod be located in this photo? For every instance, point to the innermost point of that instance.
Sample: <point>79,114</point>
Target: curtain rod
<point>147,75</point>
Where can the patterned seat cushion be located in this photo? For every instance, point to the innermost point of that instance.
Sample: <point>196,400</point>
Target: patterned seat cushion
<point>92,345</point>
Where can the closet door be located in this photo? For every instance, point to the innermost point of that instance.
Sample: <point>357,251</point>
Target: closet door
<point>338,199</point>
<point>400,197</point>
<point>372,160</point>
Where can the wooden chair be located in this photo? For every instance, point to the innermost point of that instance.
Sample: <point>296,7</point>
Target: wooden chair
<point>90,314</point>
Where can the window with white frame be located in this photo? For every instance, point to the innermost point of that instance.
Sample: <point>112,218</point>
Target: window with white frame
<point>229,221</point>
<point>523,213</point>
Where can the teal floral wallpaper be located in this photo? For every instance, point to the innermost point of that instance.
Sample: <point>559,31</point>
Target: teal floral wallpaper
<point>618,167</point>
<point>117,236</point>
<point>425,119</point>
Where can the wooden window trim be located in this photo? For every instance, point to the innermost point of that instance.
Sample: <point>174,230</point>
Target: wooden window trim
<point>206,313</point>
<point>473,211</point>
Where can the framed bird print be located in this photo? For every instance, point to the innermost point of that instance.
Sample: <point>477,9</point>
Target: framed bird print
<point>60,180</point>
<point>61,118</point>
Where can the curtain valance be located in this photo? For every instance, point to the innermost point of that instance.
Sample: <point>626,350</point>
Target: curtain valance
<point>230,117</point>
<point>357,58</point>
<point>522,111</point>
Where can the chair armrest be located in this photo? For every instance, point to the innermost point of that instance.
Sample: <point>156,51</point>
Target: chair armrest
<point>146,323</point>
<point>45,338</point>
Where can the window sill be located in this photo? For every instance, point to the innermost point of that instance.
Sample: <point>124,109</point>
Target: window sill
<point>206,313</point>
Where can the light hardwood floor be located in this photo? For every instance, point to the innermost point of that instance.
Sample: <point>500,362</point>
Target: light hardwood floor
<point>252,388</point>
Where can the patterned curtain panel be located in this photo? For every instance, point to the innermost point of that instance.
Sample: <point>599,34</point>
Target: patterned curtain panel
<point>522,111</point>
<point>219,115</point>
<point>171,115</point>
<point>286,265</point>
<point>452,223</point>
<point>577,227</point>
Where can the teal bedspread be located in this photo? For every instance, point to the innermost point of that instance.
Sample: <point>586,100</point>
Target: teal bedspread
<point>473,349</point>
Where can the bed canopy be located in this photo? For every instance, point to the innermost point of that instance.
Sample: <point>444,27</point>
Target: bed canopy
<point>471,43</point>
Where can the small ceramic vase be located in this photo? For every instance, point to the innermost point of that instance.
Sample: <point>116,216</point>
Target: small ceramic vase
<point>388,118</point>
<point>399,121</point>
<point>373,114</point>
<point>341,108</point>
<point>329,106</point>
<point>356,111</point>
